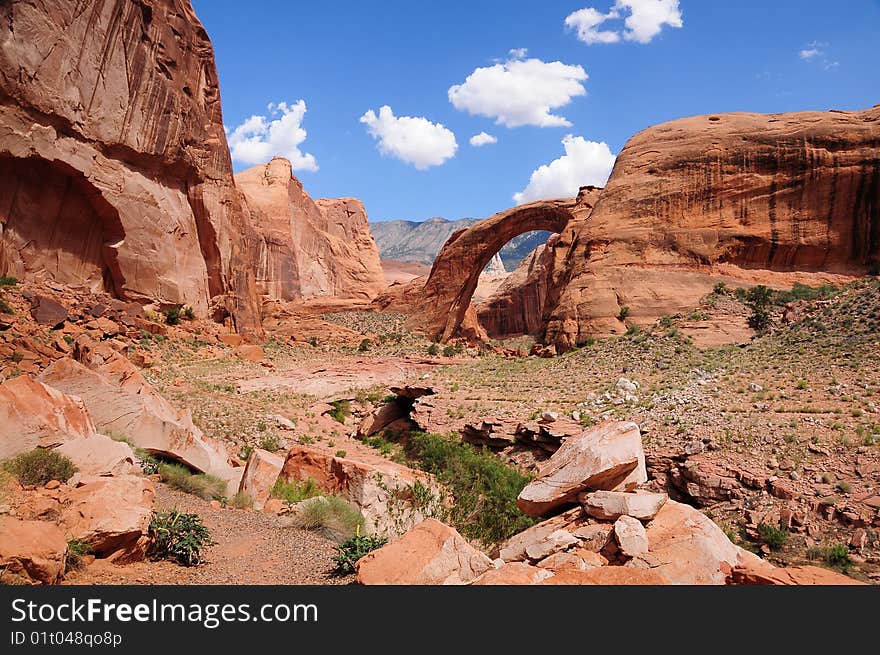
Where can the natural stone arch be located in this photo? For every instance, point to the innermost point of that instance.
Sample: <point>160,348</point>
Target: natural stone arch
<point>446,297</point>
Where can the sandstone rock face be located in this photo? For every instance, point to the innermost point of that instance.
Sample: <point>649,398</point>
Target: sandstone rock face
<point>33,414</point>
<point>513,573</point>
<point>110,514</point>
<point>381,489</point>
<point>309,248</point>
<point>122,403</point>
<point>115,174</point>
<point>748,197</point>
<point>686,547</point>
<point>606,575</point>
<point>610,505</point>
<point>607,457</point>
<point>33,550</point>
<point>260,475</point>
<point>762,573</point>
<point>99,455</point>
<point>430,554</point>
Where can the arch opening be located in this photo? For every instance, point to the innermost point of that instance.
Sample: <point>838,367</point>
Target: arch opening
<point>54,224</point>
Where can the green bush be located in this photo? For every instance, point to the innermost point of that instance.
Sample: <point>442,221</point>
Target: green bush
<point>759,300</point>
<point>295,491</point>
<point>484,487</point>
<point>720,288</point>
<point>772,535</point>
<point>188,314</point>
<point>341,410</point>
<point>270,442</point>
<point>40,466</point>
<point>178,537</point>
<point>624,312</point>
<point>365,345</point>
<point>7,281</point>
<point>836,556</point>
<point>351,550</point>
<point>331,516</point>
<point>172,315</point>
<point>448,351</point>
<point>202,485</point>
<point>433,350</point>
<point>5,308</point>
<point>76,550</point>
<point>242,500</point>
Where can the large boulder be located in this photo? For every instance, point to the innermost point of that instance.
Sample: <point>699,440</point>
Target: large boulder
<point>686,547</point>
<point>115,173</point>
<point>260,475</point>
<point>99,455</point>
<point>515,549</point>
<point>32,550</point>
<point>430,554</point>
<point>606,457</point>
<point>513,573</point>
<point>611,505</point>
<point>384,491</point>
<point>308,248</point>
<point>122,403</point>
<point>758,572</point>
<point>112,515</point>
<point>33,414</point>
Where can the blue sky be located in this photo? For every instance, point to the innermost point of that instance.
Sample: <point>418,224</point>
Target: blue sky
<point>666,59</point>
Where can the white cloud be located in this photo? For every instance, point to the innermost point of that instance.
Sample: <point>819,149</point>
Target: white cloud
<point>816,52</point>
<point>415,140</point>
<point>584,163</point>
<point>482,139</point>
<point>642,21</point>
<point>519,53</point>
<point>258,138</point>
<point>520,92</point>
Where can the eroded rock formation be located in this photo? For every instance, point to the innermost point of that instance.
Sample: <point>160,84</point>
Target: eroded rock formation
<point>115,174</point>
<point>309,248</point>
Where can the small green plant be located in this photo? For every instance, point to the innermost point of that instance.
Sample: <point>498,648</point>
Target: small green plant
<point>836,556</point>
<point>758,300</point>
<point>202,485</point>
<point>331,516</point>
<point>341,410</point>
<point>433,350</point>
<point>172,315</point>
<point>5,308</point>
<point>313,341</point>
<point>844,487</point>
<point>449,350</point>
<point>624,312</point>
<point>720,288</point>
<point>341,454</point>
<point>39,466</point>
<point>351,550</point>
<point>365,345</point>
<point>244,453</point>
<point>179,537</point>
<point>242,500</point>
<point>7,281</point>
<point>188,313</point>
<point>295,491</point>
<point>774,536</point>
<point>76,551</point>
<point>270,442</point>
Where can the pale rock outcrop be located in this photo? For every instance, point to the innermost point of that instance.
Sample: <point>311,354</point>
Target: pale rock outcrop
<point>513,573</point>
<point>606,575</point>
<point>99,455</point>
<point>430,554</point>
<point>260,475</point>
<point>33,550</point>
<point>610,505</point>
<point>110,514</point>
<point>606,457</point>
<point>759,572</point>
<point>631,536</point>
<point>33,415</point>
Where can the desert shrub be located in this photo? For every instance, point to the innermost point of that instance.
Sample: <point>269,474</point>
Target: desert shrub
<point>484,487</point>
<point>313,341</point>
<point>242,500</point>
<point>365,345</point>
<point>624,312</point>
<point>805,292</point>
<point>5,308</point>
<point>433,350</point>
<point>775,537</point>
<point>341,410</point>
<point>76,550</point>
<point>759,300</point>
<point>448,350</point>
<point>351,550</point>
<point>295,491</point>
<point>188,313</point>
<point>331,516</point>
<point>8,281</point>
<point>341,454</point>
<point>202,485</point>
<point>178,537</point>
<point>172,315</point>
<point>39,466</point>
<point>836,556</point>
<point>720,288</point>
<point>270,442</point>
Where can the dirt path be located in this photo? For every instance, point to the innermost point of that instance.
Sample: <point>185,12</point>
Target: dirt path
<point>251,548</point>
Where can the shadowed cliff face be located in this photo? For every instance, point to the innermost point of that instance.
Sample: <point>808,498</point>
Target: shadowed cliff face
<point>706,198</point>
<point>121,97</point>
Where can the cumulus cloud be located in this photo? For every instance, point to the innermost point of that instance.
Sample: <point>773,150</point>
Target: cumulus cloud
<point>584,163</point>
<point>482,139</point>
<point>642,21</point>
<point>816,52</point>
<point>519,53</point>
<point>259,138</point>
<point>520,92</point>
<point>414,140</point>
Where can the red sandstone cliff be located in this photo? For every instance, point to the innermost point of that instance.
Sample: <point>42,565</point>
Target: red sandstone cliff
<point>309,248</point>
<point>115,174</point>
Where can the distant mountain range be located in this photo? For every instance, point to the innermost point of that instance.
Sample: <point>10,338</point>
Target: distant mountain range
<point>414,241</point>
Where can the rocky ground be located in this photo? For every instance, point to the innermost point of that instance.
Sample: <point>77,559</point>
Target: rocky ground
<point>780,429</point>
